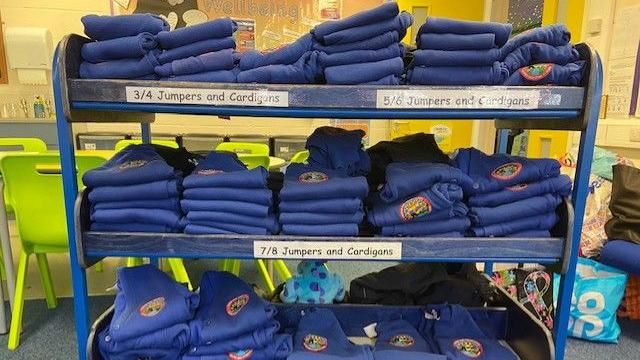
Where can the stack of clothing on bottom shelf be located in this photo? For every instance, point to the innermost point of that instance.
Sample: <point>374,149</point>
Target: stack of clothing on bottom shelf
<point>232,322</point>
<point>321,202</point>
<point>512,196</point>
<point>294,63</point>
<point>126,47</point>
<point>421,199</point>
<point>202,52</point>
<point>364,48</point>
<point>222,197</point>
<point>151,316</point>
<point>338,149</point>
<point>135,191</point>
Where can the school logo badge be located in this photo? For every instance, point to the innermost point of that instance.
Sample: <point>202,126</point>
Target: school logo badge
<point>236,304</point>
<point>507,171</point>
<point>402,340</point>
<point>153,307</point>
<point>313,177</point>
<point>468,347</point>
<point>241,355</point>
<point>519,187</point>
<point>414,208</point>
<point>209,172</point>
<point>132,164</point>
<point>536,72</point>
<point>315,343</point>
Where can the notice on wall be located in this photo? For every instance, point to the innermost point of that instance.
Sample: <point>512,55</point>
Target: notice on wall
<point>216,97</point>
<point>485,98</point>
<point>327,250</point>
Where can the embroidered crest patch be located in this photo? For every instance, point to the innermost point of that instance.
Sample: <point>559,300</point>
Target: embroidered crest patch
<point>313,177</point>
<point>236,304</point>
<point>414,208</point>
<point>519,187</point>
<point>468,347</point>
<point>315,343</point>
<point>507,171</point>
<point>241,355</point>
<point>132,164</point>
<point>402,340</point>
<point>152,307</point>
<point>536,72</point>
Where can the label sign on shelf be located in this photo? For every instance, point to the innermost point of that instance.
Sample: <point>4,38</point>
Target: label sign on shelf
<point>327,250</point>
<point>485,98</point>
<point>216,97</point>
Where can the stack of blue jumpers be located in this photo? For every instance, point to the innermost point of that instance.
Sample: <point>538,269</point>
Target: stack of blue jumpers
<point>363,48</point>
<point>338,149</point>
<point>135,191</point>
<point>512,196</point>
<point>320,202</point>
<point>151,317</point>
<point>124,48</point>
<point>295,63</point>
<point>453,52</point>
<point>421,199</point>
<point>203,52</point>
<point>232,322</point>
<point>222,197</point>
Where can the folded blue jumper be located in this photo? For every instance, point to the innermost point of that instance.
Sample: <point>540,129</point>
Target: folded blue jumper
<point>120,69</point>
<point>156,190</point>
<point>255,339</point>
<point>228,308</point>
<point>559,185</point>
<point>495,74</point>
<point>458,58</point>
<point>548,74</point>
<point>135,164</point>
<point>197,48</point>
<point>338,149</point>
<point>217,76</point>
<point>223,169</point>
<point>171,219</point>
<point>306,182</point>
<point>121,48</point>
<point>285,55</point>
<point>383,12</point>
<point>530,234</point>
<point>373,43</point>
<point>538,205</point>
<point>554,35</point>
<point>537,222</point>
<point>387,80</point>
<point>361,56</point>
<point>172,203</point>
<point>406,179</point>
<point>204,217</point>
<point>491,173</point>
<point>212,227</point>
<point>133,227</point>
<point>438,202</point>
<point>460,27</point>
<point>534,53</point>
<point>398,339</point>
<point>359,73</point>
<point>309,218</point>
<point>279,349</point>
<point>234,207</point>
<point>112,27</point>
<point>331,206</point>
<point>163,344</point>
<point>148,301</point>
<point>321,230</point>
<point>319,336</point>
<point>425,228</point>
<point>212,61</point>
<point>257,195</point>
<point>214,29</point>
<point>303,71</point>
<point>399,24</point>
<point>434,41</point>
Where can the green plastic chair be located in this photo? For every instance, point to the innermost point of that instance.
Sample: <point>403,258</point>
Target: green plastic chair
<point>244,148</point>
<point>253,161</point>
<point>10,145</point>
<point>300,157</point>
<point>126,142</point>
<point>35,187</point>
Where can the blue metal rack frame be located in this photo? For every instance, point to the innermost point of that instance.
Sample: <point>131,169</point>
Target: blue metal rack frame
<point>558,108</point>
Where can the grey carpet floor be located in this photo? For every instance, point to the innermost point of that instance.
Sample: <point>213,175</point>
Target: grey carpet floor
<point>49,334</point>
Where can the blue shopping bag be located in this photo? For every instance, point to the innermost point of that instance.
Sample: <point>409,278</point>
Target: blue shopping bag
<point>597,293</point>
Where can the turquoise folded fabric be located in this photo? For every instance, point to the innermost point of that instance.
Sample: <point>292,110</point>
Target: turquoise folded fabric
<point>121,48</point>
<point>112,27</point>
<point>214,29</point>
